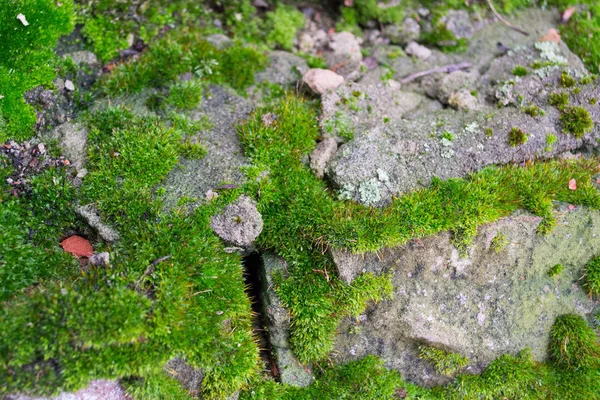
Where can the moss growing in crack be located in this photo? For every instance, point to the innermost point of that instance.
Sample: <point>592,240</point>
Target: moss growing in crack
<point>443,361</point>
<point>27,57</point>
<point>517,137</point>
<point>519,70</point>
<point>576,121</point>
<point>591,277</point>
<point>573,343</point>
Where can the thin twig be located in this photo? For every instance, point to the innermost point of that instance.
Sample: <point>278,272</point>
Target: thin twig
<point>150,269</point>
<point>445,68</point>
<point>504,20</point>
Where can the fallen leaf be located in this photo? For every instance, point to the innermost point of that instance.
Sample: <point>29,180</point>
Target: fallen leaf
<point>78,246</point>
<point>551,36</point>
<point>567,14</point>
<point>573,184</point>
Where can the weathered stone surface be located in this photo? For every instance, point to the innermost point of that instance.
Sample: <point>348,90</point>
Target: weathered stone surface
<point>190,378</point>
<point>482,306</point>
<point>463,100</point>
<point>278,325</point>
<point>73,139</point>
<point>224,158</point>
<point>344,55</point>
<point>459,22</point>
<point>322,80</point>
<point>239,223</point>
<point>405,33</point>
<point>284,69</point>
<point>91,215</point>
<point>415,49</point>
<point>96,390</point>
<point>83,57</point>
<point>321,155</point>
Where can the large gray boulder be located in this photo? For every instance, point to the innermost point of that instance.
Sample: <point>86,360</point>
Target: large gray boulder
<point>499,299</point>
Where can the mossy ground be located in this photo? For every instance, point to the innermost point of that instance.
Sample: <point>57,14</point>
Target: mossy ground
<point>62,325</point>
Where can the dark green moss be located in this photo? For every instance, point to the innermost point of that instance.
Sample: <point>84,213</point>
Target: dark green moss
<point>576,121</point>
<point>555,270</point>
<point>517,137</point>
<point>574,344</point>
<point>591,277</point>
<point>444,362</point>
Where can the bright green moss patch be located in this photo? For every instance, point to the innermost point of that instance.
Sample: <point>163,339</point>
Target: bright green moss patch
<point>186,95</point>
<point>559,100</point>
<point>591,277</point>
<point>574,344</point>
<point>517,137</point>
<point>576,121</point>
<point>499,242</point>
<point>27,58</point>
<point>566,80</point>
<point>519,70</point>
<point>185,51</point>
<point>444,362</point>
<point>581,34</point>
<point>533,110</point>
<point>555,270</point>
<point>282,25</point>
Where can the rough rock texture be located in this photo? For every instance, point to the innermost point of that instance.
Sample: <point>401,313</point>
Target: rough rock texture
<point>459,22</point>
<point>72,138</point>
<point>83,57</point>
<point>219,40</point>
<point>224,157</point>
<point>322,80</point>
<point>284,69</point>
<point>96,390</point>
<point>278,325</point>
<point>482,306</point>
<point>394,151</point>
<point>415,49</point>
<point>344,55</point>
<point>239,223</point>
<point>91,215</point>
<point>190,378</point>
<point>321,155</point>
<point>405,33</point>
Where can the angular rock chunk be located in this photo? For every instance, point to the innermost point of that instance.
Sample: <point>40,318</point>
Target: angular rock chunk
<point>344,55</point>
<point>322,80</point>
<point>494,301</point>
<point>321,155</point>
<point>239,223</point>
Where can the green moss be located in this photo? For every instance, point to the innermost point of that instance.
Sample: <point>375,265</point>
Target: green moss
<point>489,132</point>
<point>367,10</point>
<point>27,58</point>
<point>282,25</point>
<point>186,95</point>
<point>444,362</point>
<point>555,270</point>
<point>591,277</point>
<point>517,137</point>
<point>499,242</point>
<point>566,80</point>
<point>576,121</point>
<point>573,344</point>
<point>581,35</point>
<point>550,140</point>
<point>444,39</point>
<point>519,70</point>
<point>559,100</point>
<point>593,101</point>
<point>533,110</point>
<point>447,135</point>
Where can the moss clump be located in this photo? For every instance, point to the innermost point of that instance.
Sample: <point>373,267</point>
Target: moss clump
<point>576,121</point>
<point>533,110</point>
<point>447,135</point>
<point>519,70</point>
<point>591,277</point>
<point>499,242</point>
<point>282,25</point>
<point>566,80</point>
<point>27,58</point>
<point>368,10</point>
<point>186,95</point>
<point>517,137</point>
<point>593,101</point>
<point>559,100</point>
<point>550,140</point>
<point>581,34</point>
<point>555,270</point>
<point>489,132</point>
<point>444,362</point>
<point>444,39</point>
<point>573,343</point>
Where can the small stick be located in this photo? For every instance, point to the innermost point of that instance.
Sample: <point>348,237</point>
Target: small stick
<point>445,68</point>
<point>505,21</point>
<point>150,269</point>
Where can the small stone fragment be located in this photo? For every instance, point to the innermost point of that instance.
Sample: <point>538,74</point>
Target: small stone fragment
<point>100,259</point>
<point>91,215</point>
<point>21,18</point>
<point>239,223</point>
<point>573,184</point>
<point>322,80</point>
<point>321,155</point>
<point>77,246</point>
<point>415,49</point>
<point>463,100</point>
<point>83,57</point>
<point>211,195</point>
<point>69,85</point>
<point>345,56</point>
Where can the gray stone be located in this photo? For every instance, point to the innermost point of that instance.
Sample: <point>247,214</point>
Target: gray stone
<point>321,155</point>
<point>284,69</point>
<point>463,100</point>
<point>459,22</point>
<point>224,158</point>
<point>73,140</point>
<point>100,389</point>
<point>91,215</point>
<point>100,259</point>
<point>405,33</point>
<point>219,40</point>
<point>344,55</point>
<point>83,57</point>
<point>69,85</point>
<point>322,80</point>
<point>482,306</point>
<point>278,324</point>
<point>190,378</point>
<point>415,49</point>
<point>239,223</point>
